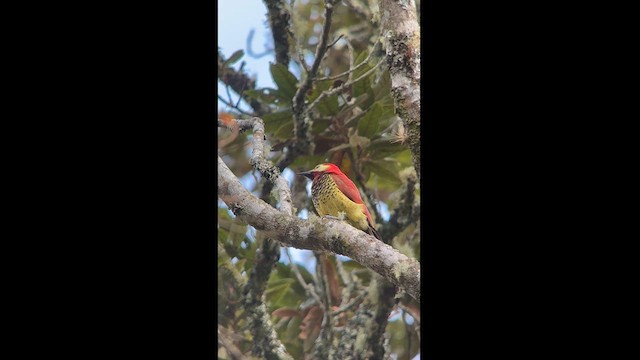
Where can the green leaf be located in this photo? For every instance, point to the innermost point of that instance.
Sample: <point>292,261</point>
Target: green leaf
<point>380,148</point>
<point>385,169</point>
<point>247,253</point>
<point>360,271</point>
<point>383,86</point>
<point>285,131</point>
<point>306,275</point>
<point>286,81</point>
<point>339,147</point>
<point>290,338</point>
<point>327,106</point>
<point>237,233</point>
<point>360,71</point>
<point>234,58</point>
<point>355,141</point>
<point>308,162</point>
<point>388,111</point>
<point>283,291</point>
<point>224,222</point>
<point>240,264</point>
<point>320,125</point>
<point>369,124</point>
<point>273,121</point>
<point>264,95</point>
<point>363,86</point>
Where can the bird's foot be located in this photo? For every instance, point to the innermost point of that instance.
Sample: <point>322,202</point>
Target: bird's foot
<point>330,217</point>
<point>341,216</point>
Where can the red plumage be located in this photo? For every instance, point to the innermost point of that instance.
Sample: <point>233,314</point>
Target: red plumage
<point>349,189</point>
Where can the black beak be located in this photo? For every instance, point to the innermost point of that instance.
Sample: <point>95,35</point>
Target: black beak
<point>307,174</point>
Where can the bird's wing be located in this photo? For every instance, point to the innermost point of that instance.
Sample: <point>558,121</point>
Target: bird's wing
<point>351,191</point>
<point>347,187</point>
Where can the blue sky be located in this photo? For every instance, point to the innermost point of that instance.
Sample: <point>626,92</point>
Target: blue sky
<point>235,21</point>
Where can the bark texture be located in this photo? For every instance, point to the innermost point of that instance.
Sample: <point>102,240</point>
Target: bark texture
<point>239,82</point>
<point>266,343</point>
<point>400,27</point>
<point>319,234</point>
<point>279,23</point>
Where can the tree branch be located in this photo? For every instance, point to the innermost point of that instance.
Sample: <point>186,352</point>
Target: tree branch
<point>259,161</point>
<point>381,303</point>
<point>239,82</point>
<point>405,213</point>
<point>326,331</point>
<point>238,280</point>
<point>319,234</point>
<point>359,10</point>
<point>341,87</point>
<point>232,106</point>
<point>266,345</point>
<point>301,125</point>
<point>350,305</point>
<point>279,22</point>
<point>400,25</point>
<point>227,343</point>
<point>334,77</point>
<point>308,288</point>
<point>266,342</point>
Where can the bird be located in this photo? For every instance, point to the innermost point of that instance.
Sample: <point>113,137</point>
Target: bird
<point>334,194</point>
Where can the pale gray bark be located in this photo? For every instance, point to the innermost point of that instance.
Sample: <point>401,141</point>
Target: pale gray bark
<point>319,234</point>
<point>279,23</point>
<point>266,343</point>
<point>400,27</point>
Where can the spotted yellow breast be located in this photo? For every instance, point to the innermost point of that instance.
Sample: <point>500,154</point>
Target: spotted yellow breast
<point>329,200</point>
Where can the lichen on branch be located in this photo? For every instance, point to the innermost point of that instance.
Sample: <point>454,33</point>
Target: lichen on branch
<point>400,27</point>
<point>319,234</point>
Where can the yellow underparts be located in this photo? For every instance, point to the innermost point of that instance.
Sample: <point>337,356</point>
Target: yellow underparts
<point>329,200</point>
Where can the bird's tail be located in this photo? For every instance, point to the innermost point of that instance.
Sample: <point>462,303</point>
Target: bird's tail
<point>374,232</point>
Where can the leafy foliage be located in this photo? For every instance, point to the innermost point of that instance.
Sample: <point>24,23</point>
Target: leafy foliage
<point>358,130</point>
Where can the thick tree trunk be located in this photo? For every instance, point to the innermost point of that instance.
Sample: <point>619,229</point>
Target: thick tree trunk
<point>400,27</point>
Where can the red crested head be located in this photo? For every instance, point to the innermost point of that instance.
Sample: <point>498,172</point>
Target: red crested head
<point>327,168</point>
<point>344,184</point>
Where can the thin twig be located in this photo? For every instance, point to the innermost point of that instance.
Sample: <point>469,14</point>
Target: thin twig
<point>234,107</point>
<point>239,280</point>
<point>232,350</point>
<point>299,52</point>
<point>350,281</point>
<point>346,277</point>
<point>240,94</point>
<point>327,321</point>
<point>405,213</point>
<point>321,234</point>
<point>334,77</point>
<point>242,125</point>
<point>226,87</point>
<point>302,60</point>
<point>239,82</point>
<point>259,162</point>
<point>308,288</point>
<point>407,330</point>
<point>408,310</point>
<point>299,125</point>
<point>342,87</point>
<point>351,304</point>
<point>358,10</point>
<point>335,41</point>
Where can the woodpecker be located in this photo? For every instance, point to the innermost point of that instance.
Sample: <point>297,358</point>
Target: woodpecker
<point>333,193</point>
